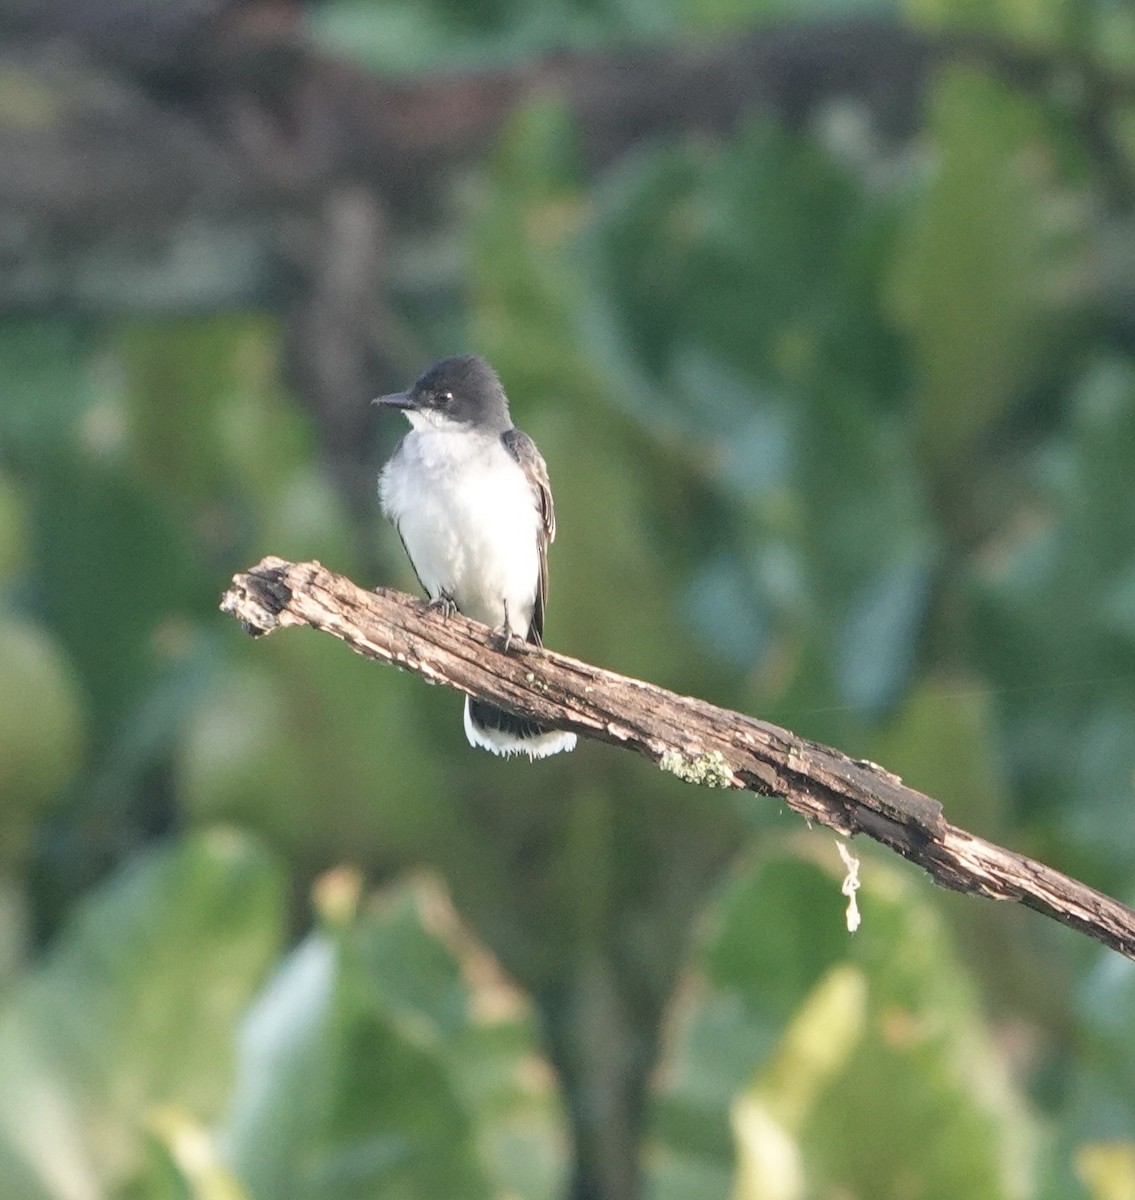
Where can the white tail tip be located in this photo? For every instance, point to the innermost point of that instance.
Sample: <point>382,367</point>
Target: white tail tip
<point>500,741</point>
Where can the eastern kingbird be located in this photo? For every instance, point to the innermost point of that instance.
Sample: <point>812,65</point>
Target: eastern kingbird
<point>469,496</point>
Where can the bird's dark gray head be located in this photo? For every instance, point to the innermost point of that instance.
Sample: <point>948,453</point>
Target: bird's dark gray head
<point>463,391</point>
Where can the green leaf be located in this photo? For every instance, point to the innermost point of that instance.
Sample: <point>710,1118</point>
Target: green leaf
<point>942,740</point>
<point>770,1115</point>
<point>976,275</point>
<point>43,376</point>
<point>134,1008</point>
<point>42,730</point>
<point>15,539</point>
<point>1099,1109</point>
<point>97,525</point>
<point>339,1097</point>
<point>1108,1169</point>
<point>877,646</point>
<point>297,718</point>
<point>414,972</point>
<point>1051,632</point>
<point>768,925</point>
<point>850,1063</point>
<point>436,978</point>
<point>283,1079</point>
<point>760,262</point>
<point>182,1162</point>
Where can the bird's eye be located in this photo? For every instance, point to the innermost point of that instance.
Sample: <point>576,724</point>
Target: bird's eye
<point>445,397</point>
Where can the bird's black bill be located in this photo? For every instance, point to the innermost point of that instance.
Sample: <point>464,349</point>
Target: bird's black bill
<point>396,400</point>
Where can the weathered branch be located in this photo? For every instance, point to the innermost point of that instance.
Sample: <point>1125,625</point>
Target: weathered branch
<point>689,737</point>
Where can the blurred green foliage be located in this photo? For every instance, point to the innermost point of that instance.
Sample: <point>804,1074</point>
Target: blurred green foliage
<point>841,434</point>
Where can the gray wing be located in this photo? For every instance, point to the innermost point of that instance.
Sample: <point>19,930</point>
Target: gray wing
<point>523,449</point>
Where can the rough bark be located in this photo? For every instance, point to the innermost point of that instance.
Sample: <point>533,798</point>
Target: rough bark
<point>691,738</point>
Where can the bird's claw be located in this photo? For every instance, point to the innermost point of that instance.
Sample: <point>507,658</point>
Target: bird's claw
<point>503,633</point>
<point>444,604</point>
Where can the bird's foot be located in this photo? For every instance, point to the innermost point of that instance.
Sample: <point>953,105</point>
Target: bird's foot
<point>445,604</point>
<point>503,633</point>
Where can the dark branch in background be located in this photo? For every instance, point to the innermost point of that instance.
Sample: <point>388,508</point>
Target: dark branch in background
<point>154,133</point>
<point>689,737</point>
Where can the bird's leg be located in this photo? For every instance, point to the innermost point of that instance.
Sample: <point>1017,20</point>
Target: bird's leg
<point>445,603</point>
<point>504,634</point>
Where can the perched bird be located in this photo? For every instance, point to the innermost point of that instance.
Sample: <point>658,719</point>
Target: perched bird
<point>469,496</point>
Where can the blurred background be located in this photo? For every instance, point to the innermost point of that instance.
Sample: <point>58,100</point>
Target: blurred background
<point>823,315</point>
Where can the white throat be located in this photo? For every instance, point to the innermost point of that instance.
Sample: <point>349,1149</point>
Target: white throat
<point>430,419</point>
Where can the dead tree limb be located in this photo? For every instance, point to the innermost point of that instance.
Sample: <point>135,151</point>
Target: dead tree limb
<point>691,738</point>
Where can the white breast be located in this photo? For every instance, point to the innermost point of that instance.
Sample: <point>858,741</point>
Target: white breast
<point>468,517</point>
